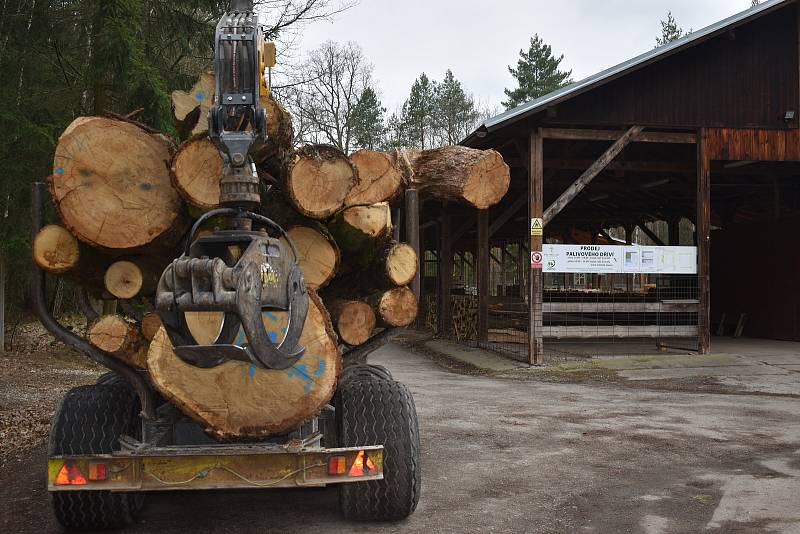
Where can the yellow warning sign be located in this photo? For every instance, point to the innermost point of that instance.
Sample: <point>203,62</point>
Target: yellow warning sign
<point>537,228</point>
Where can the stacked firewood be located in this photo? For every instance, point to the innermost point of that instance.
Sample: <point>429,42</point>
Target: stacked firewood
<point>127,195</point>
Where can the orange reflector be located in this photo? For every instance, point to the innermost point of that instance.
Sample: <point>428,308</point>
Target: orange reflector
<point>97,471</point>
<point>69,474</point>
<point>337,465</point>
<point>362,466</point>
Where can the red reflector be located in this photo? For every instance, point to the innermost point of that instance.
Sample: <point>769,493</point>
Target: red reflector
<point>337,465</point>
<point>69,474</point>
<point>97,471</point>
<point>362,466</point>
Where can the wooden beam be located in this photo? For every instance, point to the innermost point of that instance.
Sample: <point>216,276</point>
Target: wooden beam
<point>614,135</point>
<point>483,276</point>
<point>703,233</point>
<point>674,224</point>
<point>625,166</point>
<point>445,277</point>
<point>649,233</point>
<point>586,178</point>
<point>507,215</point>
<point>412,235</point>
<point>536,285</point>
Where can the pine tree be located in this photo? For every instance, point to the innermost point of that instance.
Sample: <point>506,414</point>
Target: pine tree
<point>367,120</point>
<point>670,31</point>
<point>454,113</point>
<point>417,113</point>
<point>537,74</point>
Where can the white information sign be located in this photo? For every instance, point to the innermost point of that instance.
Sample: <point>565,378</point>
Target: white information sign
<point>631,259</point>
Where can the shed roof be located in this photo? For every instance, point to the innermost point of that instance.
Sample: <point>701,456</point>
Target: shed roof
<point>565,93</point>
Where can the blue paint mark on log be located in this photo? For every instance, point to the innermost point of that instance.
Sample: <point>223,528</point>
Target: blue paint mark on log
<point>240,340</point>
<point>59,171</point>
<point>273,336</point>
<point>200,96</point>
<point>252,371</point>
<point>301,371</point>
<point>321,364</point>
<point>271,316</point>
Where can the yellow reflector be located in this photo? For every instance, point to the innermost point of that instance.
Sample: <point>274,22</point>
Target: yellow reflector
<point>362,466</point>
<point>97,471</point>
<point>337,465</point>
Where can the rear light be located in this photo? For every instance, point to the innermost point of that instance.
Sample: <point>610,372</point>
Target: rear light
<point>337,465</point>
<point>97,472</point>
<point>70,475</point>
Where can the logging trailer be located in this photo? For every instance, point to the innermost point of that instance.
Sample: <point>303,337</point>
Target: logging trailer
<point>112,442</point>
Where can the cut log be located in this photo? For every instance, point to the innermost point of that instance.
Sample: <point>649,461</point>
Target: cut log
<point>280,133</point>
<point>123,279</point>
<point>362,232</point>
<point>190,109</point>
<point>55,249</point>
<point>318,179</point>
<point>395,307</point>
<point>120,338</point>
<point>318,253</point>
<point>354,320</point>
<point>479,178</point>
<point>151,322</point>
<point>381,177</point>
<point>111,186</point>
<point>397,265</point>
<point>196,172</point>
<point>236,400</point>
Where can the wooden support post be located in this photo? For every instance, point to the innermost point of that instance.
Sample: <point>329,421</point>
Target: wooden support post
<point>536,285</point>
<point>445,276</point>
<point>413,237</point>
<point>674,224</point>
<point>590,174</point>
<point>483,276</point>
<point>703,233</point>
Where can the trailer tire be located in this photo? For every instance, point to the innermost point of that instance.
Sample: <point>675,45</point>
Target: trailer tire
<point>375,411</point>
<point>90,420</point>
<point>112,379</point>
<point>365,370</point>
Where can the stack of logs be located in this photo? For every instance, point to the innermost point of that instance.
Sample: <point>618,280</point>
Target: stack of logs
<point>127,195</point>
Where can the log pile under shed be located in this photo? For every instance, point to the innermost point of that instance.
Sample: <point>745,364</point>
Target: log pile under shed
<point>126,197</point>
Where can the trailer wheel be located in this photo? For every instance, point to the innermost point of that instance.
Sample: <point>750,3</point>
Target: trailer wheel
<point>380,412</point>
<point>365,370</point>
<point>90,420</point>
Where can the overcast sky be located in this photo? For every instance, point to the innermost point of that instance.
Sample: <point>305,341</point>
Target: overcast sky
<point>479,39</point>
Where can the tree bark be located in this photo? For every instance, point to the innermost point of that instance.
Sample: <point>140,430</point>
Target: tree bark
<point>479,178</point>
<point>362,232</point>
<point>111,186</point>
<point>236,400</point>
<point>318,178</point>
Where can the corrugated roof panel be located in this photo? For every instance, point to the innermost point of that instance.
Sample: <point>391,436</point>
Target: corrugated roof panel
<point>651,56</point>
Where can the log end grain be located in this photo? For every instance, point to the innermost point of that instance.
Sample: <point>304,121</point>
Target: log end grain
<point>119,337</point>
<point>488,181</point>
<point>401,264</point>
<point>380,178</point>
<point>397,307</point>
<point>372,221</point>
<point>318,179</point>
<point>238,401</point>
<point>123,279</point>
<point>354,320</point>
<point>111,184</point>
<point>318,255</point>
<point>151,322</point>
<point>196,172</point>
<point>55,249</point>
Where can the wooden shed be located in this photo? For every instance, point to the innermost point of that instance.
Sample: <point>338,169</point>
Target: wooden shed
<point>694,144</point>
